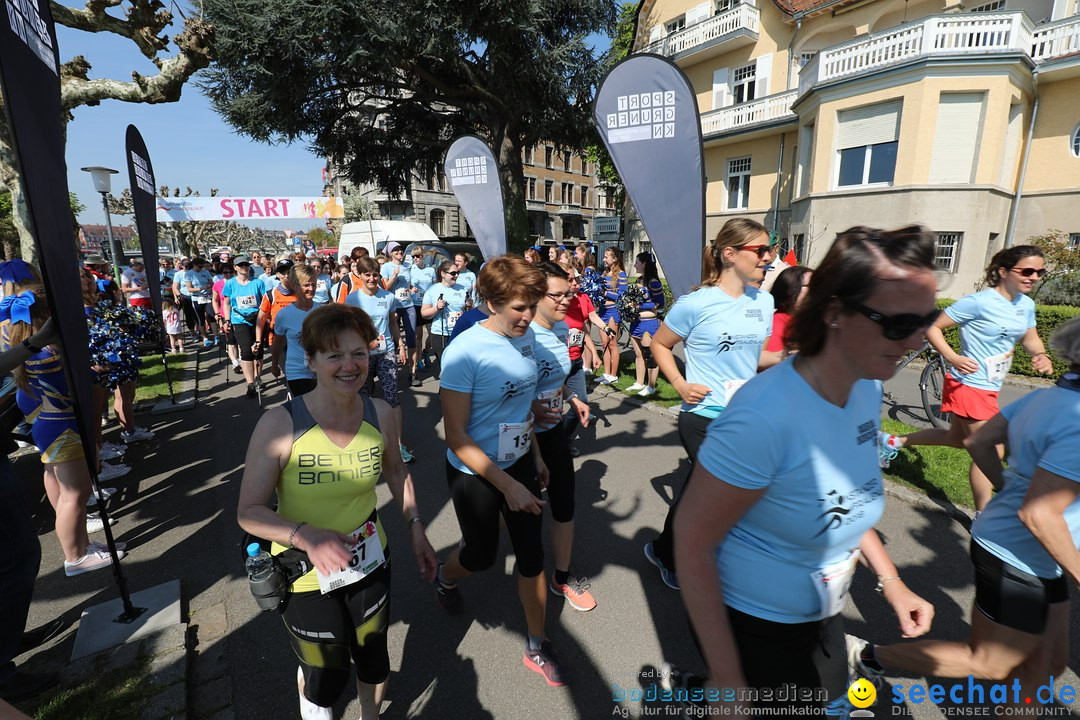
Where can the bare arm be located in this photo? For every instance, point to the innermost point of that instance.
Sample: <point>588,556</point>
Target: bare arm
<point>18,354</point>
<point>935,335</point>
<point>662,343</point>
<point>1043,514</point>
<point>914,613</point>
<point>1033,346</point>
<point>982,446</point>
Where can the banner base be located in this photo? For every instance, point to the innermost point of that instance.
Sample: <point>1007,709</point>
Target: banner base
<point>99,630</point>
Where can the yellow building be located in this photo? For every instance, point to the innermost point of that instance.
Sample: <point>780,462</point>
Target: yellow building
<point>817,115</point>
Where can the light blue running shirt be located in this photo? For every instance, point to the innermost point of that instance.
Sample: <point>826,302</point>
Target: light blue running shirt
<point>244,300</point>
<point>379,307</point>
<point>723,340</point>
<point>1042,434</point>
<point>467,280</point>
<point>818,466</point>
<point>288,322</point>
<point>422,278</point>
<point>179,284</point>
<point>500,374</point>
<point>990,327</point>
<point>400,286</point>
<point>322,290</point>
<point>552,364</point>
<point>443,322</point>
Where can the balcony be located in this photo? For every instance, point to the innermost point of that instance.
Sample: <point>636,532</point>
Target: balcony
<point>1056,40</point>
<point>537,205</point>
<point>569,209</point>
<point>747,115</point>
<point>723,32</point>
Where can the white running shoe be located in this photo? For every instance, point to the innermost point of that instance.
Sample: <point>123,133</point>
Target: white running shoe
<point>139,433</point>
<point>856,667</point>
<point>93,560</point>
<point>105,494</point>
<point>103,547</point>
<point>94,523</point>
<point>634,388</point>
<point>111,472</point>
<point>308,709</point>
<point>647,391</point>
<point>611,379</point>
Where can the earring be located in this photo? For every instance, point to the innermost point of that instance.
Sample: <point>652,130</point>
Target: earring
<point>833,325</point>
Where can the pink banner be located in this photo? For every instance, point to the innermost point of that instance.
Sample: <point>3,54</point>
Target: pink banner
<point>248,208</point>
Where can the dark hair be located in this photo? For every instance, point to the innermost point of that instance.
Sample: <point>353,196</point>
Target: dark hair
<point>367,265</point>
<point>324,325</point>
<point>446,266</point>
<point>1006,260</point>
<point>551,269</point>
<point>590,256</point>
<point>648,272</point>
<point>736,232</point>
<point>787,286</point>
<point>849,274</point>
<point>507,277</point>
<point>618,255</point>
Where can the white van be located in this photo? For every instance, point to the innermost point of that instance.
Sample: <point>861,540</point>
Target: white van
<point>375,234</point>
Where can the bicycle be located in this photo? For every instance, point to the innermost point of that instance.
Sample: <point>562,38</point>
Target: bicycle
<point>931,383</point>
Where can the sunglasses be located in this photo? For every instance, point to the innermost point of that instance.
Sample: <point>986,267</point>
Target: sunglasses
<point>896,327</point>
<point>559,297</point>
<point>451,272</point>
<point>760,250</point>
<point>1028,272</point>
<point>417,257</point>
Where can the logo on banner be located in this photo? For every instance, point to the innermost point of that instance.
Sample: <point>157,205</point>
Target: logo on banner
<point>642,116</point>
<point>143,179</point>
<point>469,171</point>
<point>26,22</point>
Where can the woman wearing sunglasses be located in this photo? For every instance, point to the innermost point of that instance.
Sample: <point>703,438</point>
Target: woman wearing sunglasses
<point>421,276</point>
<point>443,303</point>
<point>991,323</point>
<point>782,505</point>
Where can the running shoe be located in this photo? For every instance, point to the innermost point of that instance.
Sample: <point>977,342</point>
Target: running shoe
<point>103,547</point>
<point>544,662</point>
<point>422,365</point>
<point>308,709</point>
<point>111,472</point>
<point>666,575</point>
<point>684,685</point>
<point>104,494</point>
<point>406,456</point>
<point>576,592</point>
<point>449,597</point>
<point>94,523</point>
<point>647,391</point>
<point>888,447</point>
<point>136,435</point>
<point>634,388</point>
<point>604,380</point>
<point>111,453</point>
<point>251,390</point>
<point>236,364</point>
<point>207,343</point>
<point>92,560</point>
<point>860,664</point>
<point>217,341</point>
<point>611,379</point>
<point>415,381</point>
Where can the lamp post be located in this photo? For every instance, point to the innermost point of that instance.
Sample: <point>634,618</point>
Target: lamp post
<point>103,184</point>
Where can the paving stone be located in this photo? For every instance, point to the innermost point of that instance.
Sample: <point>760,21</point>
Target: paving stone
<point>211,623</point>
<point>169,668</point>
<point>211,697</point>
<point>208,663</point>
<point>169,704</point>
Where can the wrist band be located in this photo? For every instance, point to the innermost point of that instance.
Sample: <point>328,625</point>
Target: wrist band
<point>26,344</point>
<point>415,519</point>
<point>293,533</point>
<point>881,582</point>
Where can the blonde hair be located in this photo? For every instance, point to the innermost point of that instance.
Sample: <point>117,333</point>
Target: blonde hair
<point>18,331</point>
<point>735,233</point>
<point>1066,343</point>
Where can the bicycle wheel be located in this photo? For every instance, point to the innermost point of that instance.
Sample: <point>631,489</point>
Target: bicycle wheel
<point>932,384</point>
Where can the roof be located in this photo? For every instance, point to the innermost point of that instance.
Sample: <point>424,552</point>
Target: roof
<point>119,231</point>
<point>809,7</point>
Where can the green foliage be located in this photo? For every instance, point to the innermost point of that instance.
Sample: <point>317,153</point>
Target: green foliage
<point>1061,260</point>
<point>1047,319</point>
<point>357,208</point>
<point>117,693</point>
<point>321,238</point>
<point>621,45</point>
<point>76,206</point>
<point>937,471</point>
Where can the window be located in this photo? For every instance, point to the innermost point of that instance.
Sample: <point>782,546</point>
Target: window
<point>738,184</point>
<point>722,5</point>
<point>1076,137</point>
<point>529,155</point>
<point>1074,241</point>
<point>548,187</point>
<point>867,142</point>
<point>743,84</point>
<point>947,250</point>
<point>548,153</point>
<point>584,166</point>
<point>990,6</point>
<point>584,196</point>
<point>867,164</point>
<point>531,189</point>
<point>438,222</point>
<point>566,162</point>
<point>567,197</point>
<point>674,26</point>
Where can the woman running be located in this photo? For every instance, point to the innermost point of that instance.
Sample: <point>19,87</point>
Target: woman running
<point>443,305</point>
<point>395,278</point>
<point>579,315</point>
<point>644,327</point>
<point>421,277</point>
<point>615,276</point>
<point>333,615</point>
<point>380,305</point>
<point>723,326</point>
<point>322,282</point>
<point>552,394</point>
<point>782,504</point>
<point>199,284</point>
<point>991,323</point>
<point>1023,545</point>
<point>494,468</point>
<point>243,294</point>
<point>222,312</point>
<point>788,291</point>
<point>288,323</point>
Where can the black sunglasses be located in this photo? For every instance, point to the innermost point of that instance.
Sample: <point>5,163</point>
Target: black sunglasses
<point>1028,272</point>
<point>451,272</point>
<point>896,327</point>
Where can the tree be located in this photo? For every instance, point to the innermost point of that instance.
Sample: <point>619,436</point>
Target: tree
<point>383,87</point>
<point>1061,259</point>
<point>144,24</point>
<point>621,45</point>
<point>9,233</point>
<point>321,238</point>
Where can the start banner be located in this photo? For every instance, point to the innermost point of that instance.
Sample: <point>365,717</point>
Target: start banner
<point>248,208</point>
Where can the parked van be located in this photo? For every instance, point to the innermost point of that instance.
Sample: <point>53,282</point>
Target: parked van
<point>375,234</point>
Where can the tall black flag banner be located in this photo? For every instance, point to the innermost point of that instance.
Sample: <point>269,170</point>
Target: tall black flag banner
<point>474,178</point>
<point>144,198</point>
<point>29,73</point>
<point>647,115</point>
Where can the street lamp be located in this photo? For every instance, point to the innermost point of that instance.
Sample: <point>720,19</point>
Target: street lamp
<point>103,184</point>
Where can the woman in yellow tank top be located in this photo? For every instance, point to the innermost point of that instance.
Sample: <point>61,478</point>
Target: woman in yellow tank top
<point>322,454</point>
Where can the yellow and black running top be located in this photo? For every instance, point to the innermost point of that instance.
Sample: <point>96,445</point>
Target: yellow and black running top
<point>328,486</point>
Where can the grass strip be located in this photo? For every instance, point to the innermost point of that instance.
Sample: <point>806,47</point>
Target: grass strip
<point>152,383</point>
<point>120,693</point>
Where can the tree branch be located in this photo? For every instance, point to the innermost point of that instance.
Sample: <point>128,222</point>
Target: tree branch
<point>145,19</point>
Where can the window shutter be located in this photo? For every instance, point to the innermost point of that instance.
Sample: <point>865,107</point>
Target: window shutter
<point>762,70</point>
<point>654,33</point>
<point>721,92</point>
<point>699,13</point>
<point>956,137</point>
<point>869,125</point>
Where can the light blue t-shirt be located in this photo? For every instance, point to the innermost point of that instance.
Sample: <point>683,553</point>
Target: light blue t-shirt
<point>443,321</point>
<point>288,322</point>
<point>1043,433</point>
<point>818,466</point>
<point>723,339</point>
<point>257,271</point>
<point>322,290</point>
<point>379,308</point>
<point>179,284</point>
<point>467,280</point>
<point>552,362</point>
<point>270,282</point>
<point>500,374</point>
<point>244,300</point>
<point>990,326</point>
<point>422,279</point>
<point>201,281</point>
<point>400,286</point>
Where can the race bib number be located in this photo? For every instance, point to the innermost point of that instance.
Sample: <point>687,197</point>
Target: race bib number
<point>832,583</point>
<point>384,345</point>
<point>320,286</point>
<point>997,367</point>
<point>247,302</point>
<point>515,439</point>
<point>402,294</point>
<point>730,388</point>
<point>576,338</point>
<point>367,556</point>
<point>200,300</point>
<point>553,399</point>
<point>451,320</point>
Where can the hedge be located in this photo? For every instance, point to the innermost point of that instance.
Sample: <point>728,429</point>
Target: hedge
<point>1047,319</point>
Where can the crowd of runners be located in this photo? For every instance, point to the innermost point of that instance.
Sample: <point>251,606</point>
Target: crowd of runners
<point>780,378</point>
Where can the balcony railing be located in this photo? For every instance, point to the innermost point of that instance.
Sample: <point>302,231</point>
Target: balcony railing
<point>1056,40</point>
<point>745,115</point>
<point>536,205</point>
<point>708,32</point>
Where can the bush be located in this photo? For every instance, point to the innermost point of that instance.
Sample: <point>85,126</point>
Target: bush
<point>1047,319</point>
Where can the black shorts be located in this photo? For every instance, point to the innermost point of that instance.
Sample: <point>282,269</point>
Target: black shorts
<point>245,338</point>
<point>1011,597</point>
<point>421,321</point>
<point>555,449</point>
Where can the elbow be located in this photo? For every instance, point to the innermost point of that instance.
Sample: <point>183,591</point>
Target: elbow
<point>1036,518</point>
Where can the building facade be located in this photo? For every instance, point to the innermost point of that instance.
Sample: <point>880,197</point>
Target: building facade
<point>818,115</point>
<point>94,239</point>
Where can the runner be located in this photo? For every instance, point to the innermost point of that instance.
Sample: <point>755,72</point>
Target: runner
<point>275,300</point>
<point>615,276</point>
<point>764,561</point>
<point>395,278</point>
<point>134,285</point>
<point>991,322</point>
<point>788,291</point>
<point>380,305</point>
<point>221,313</point>
<point>322,283</point>
<point>645,325</point>
<point>493,466</point>
<point>199,284</point>
<point>287,325</point>
<point>242,295</point>
<point>1023,546</point>
<point>348,432</point>
<point>579,315</point>
<point>421,278</point>
<point>723,326</point>
<point>442,305</point>
<point>553,368</point>
<point>466,277</point>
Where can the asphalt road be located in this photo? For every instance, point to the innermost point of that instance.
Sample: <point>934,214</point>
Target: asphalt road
<point>177,513</point>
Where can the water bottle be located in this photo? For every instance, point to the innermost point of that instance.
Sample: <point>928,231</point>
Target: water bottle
<point>265,578</point>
